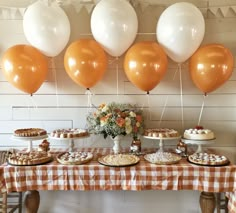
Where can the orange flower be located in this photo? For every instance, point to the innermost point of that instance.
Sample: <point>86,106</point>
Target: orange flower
<point>139,118</point>
<point>120,122</point>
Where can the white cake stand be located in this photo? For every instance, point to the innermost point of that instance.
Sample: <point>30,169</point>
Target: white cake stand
<point>30,140</point>
<point>71,141</point>
<point>161,140</point>
<point>199,143</point>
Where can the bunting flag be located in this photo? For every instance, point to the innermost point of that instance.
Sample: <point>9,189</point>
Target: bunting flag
<point>15,12</point>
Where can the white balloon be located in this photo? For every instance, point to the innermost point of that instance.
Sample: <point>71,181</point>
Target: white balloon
<point>46,28</point>
<point>180,30</point>
<point>114,25</point>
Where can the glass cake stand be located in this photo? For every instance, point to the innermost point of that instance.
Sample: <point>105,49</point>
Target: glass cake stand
<point>30,140</point>
<point>199,143</point>
<point>162,140</point>
<point>71,141</point>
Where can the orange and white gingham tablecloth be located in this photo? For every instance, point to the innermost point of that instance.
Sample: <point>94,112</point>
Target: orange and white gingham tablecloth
<point>143,176</point>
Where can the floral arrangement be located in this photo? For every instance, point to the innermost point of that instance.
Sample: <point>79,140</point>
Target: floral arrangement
<point>115,119</point>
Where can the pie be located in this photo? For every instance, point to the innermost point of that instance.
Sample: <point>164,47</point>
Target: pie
<point>162,158</point>
<point>73,158</point>
<point>208,159</point>
<point>161,133</point>
<point>30,132</point>
<point>119,160</point>
<point>29,158</point>
<point>69,133</point>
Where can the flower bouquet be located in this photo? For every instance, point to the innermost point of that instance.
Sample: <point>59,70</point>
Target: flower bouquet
<point>115,119</point>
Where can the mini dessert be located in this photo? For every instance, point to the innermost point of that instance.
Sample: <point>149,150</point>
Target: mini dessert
<point>30,132</point>
<point>44,146</point>
<point>29,158</point>
<point>208,159</point>
<point>162,158</point>
<point>161,133</point>
<point>198,133</point>
<point>181,148</point>
<point>69,158</point>
<point>119,160</point>
<point>69,133</point>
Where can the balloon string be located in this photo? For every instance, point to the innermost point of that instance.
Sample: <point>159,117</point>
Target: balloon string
<point>163,111</point>
<point>89,96</point>
<point>117,77</point>
<point>181,95</point>
<point>200,115</point>
<point>55,79</point>
<point>149,107</point>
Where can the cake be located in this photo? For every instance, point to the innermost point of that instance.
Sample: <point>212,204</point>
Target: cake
<point>208,159</point>
<point>29,158</point>
<point>44,146</point>
<point>69,133</point>
<point>161,133</point>
<point>30,132</point>
<point>199,133</point>
<point>71,158</point>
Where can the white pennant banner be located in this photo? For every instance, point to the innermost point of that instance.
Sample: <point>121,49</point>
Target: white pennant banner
<point>214,10</point>
<point>224,10</point>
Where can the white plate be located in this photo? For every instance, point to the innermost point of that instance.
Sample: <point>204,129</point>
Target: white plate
<point>34,138</point>
<point>162,138</point>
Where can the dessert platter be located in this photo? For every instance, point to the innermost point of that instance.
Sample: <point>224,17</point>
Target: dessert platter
<point>74,158</point>
<point>161,134</point>
<point>208,159</point>
<point>119,160</point>
<point>70,135</point>
<point>30,135</point>
<point>162,158</point>
<point>198,136</point>
<point>29,158</point>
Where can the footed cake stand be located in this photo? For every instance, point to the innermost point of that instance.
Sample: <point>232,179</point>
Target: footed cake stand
<point>71,141</point>
<point>199,143</point>
<point>30,140</point>
<point>161,141</point>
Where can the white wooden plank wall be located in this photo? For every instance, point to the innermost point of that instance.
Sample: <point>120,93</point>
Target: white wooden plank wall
<point>60,103</point>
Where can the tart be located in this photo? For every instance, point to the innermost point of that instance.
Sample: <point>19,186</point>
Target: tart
<point>161,133</point>
<point>30,132</point>
<point>69,133</point>
<point>162,158</point>
<point>73,158</point>
<point>29,158</point>
<point>119,160</point>
<point>208,159</point>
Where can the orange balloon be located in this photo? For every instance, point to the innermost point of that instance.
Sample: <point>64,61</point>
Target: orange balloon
<point>25,67</point>
<point>145,65</point>
<point>211,66</point>
<point>85,62</point>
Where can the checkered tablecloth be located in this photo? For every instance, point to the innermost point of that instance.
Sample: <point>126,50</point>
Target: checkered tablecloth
<point>143,176</point>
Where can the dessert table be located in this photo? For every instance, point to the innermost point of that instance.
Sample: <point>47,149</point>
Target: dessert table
<point>142,176</point>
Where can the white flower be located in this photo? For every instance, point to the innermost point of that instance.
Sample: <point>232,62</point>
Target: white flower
<point>132,114</point>
<point>128,129</point>
<point>138,124</point>
<point>127,121</point>
<point>105,108</point>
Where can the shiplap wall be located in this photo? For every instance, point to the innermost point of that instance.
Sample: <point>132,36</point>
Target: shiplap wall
<point>60,103</point>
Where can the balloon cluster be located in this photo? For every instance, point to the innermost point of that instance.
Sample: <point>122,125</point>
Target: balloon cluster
<point>114,25</point>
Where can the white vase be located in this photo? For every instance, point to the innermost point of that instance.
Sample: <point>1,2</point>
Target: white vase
<point>117,147</point>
